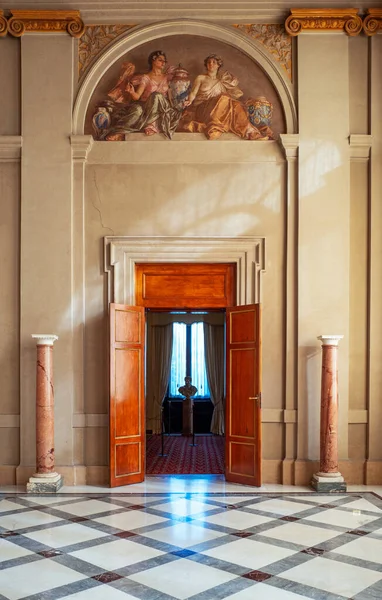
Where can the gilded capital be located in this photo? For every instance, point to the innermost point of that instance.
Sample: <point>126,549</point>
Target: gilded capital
<point>45,21</point>
<point>323,19</point>
<point>372,23</point>
<point>3,24</point>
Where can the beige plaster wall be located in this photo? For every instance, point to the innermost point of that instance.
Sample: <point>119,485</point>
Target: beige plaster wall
<point>9,314</point>
<point>190,200</point>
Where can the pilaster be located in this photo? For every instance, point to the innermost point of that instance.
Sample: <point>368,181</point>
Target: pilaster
<point>290,144</point>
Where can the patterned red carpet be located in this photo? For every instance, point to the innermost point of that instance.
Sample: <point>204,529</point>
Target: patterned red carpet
<point>206,457</point>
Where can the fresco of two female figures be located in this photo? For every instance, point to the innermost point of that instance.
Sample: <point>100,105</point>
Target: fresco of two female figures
<point>164,100</point>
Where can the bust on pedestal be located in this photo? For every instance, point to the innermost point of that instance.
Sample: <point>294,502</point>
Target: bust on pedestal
<point>188,391</point>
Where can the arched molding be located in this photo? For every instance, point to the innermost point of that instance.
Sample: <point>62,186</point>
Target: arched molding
<point>140,35</point>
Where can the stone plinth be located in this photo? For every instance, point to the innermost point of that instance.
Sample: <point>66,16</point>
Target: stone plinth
<point>329,479</point>
<point>45,480</point>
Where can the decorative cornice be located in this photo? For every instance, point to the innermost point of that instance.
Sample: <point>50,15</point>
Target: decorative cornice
<point>360,147</point>
<point>372,23</point>
<point>323,19</point>
<point>290,142</point>
<point>3,24</point>
<point>81,146</point>
<point>45,21</point>
<point>10,148</point>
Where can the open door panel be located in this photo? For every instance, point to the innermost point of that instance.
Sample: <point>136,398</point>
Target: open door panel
<point>127,400</point>
<point>243,402</point>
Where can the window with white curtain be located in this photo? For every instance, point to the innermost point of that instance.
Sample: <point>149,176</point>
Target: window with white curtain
<point>188,359</point>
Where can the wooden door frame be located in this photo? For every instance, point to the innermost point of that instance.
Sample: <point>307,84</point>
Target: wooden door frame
<point>233,298</point>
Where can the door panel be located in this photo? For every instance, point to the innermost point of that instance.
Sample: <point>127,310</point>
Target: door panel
<point>243,404</point>
<point>127,418</point>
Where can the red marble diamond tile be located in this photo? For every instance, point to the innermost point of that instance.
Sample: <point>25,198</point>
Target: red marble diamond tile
<point>107,577</point>
<point>257,576</point>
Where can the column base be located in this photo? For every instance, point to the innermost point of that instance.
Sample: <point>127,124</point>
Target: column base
<point>327,482</point>
<point>45,485</point>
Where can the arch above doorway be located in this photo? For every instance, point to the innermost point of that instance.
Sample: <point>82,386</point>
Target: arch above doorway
<point>122,253</point>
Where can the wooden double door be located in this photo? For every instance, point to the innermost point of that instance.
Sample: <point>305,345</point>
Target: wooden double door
<point>127,394</point>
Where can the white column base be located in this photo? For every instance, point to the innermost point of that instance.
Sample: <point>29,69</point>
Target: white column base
<point>328,482</point>
<point>45,483</point>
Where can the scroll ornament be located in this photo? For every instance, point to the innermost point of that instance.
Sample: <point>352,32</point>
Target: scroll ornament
<point>303,20</point>
<point>373,21</point>
<point>3,24</point>
<point>50,21</point>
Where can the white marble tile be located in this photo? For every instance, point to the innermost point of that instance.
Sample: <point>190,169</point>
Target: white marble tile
<point>236,519</point>
<point>65,535</point>
<point>280,507</point>
<point>88,507</point>
<point>298,533</point>
<point>8,551</point>
<point>7,506</point>
<point>365,547</point>
<point>233,499</point>
<point>184,507</point>
<point>50,499</point>
<point>262,591</point>
<point>184,535</point>
<point>99,593</point>
<point>34,578</point>
<point>182,579</point>
<point>130,520</point>
<point>116,555</point>
<point>323,499</point>
<point>332,576</point>
<point>362,504</point>
<point>340,518</point>
<point>140,500</point>
<point>249,553</point>
<point>26,519</point>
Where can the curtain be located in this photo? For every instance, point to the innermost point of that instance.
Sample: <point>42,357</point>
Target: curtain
<point>159,347</point>
<point>214,352</point>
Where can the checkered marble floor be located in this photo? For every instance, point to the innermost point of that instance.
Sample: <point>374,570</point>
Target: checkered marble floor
<point>204,546</point>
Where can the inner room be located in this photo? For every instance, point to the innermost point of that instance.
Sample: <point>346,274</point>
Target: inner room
<point>185,392</point>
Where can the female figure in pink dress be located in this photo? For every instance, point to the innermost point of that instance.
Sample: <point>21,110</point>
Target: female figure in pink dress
<point>149,109</point>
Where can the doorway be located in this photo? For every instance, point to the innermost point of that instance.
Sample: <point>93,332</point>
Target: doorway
<point>185,392</point>
<point>185,286</point>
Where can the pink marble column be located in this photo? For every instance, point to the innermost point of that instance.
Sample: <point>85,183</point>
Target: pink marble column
<point>46,479</point>
<point>329,478</point>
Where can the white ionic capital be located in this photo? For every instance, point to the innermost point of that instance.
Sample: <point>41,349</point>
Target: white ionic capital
<point>81,146</point>
<point>359,146</point>
<point>44,339</point>
<point>330,340</point>
<point>290,142</point>
<point>10,148</point>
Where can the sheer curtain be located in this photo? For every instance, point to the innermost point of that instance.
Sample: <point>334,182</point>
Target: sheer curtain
<point>214,353</point>
<point>158,372</point>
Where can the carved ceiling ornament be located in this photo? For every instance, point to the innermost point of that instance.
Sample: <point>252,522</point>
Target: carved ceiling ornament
<point>49,21</point>
<point>372,23</point>
<point>324,19</point>
<point>274,38</point>
<point>94,40</point>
